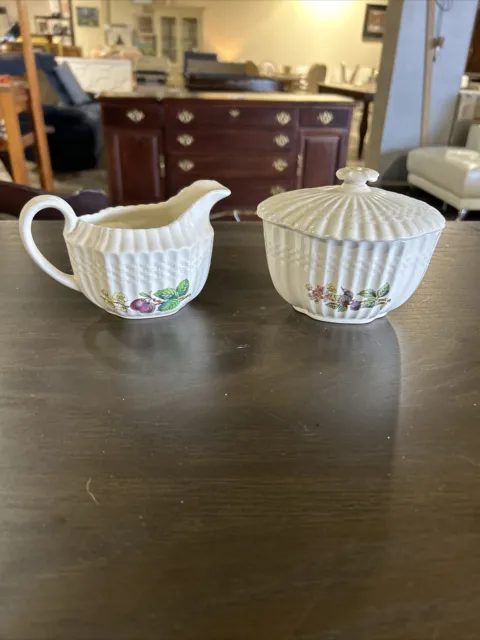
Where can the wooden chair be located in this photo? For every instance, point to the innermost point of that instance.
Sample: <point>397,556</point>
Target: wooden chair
<point>268,68</point>
<point>13,197</point>
<point>316,74</point>
<point>14,99</point>
<point>251,69</point>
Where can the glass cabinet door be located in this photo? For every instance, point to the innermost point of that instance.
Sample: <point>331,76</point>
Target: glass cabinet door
<point>179,30</point>
<point>169,38</point>
<point>189,34</point>
<point>144,37</point>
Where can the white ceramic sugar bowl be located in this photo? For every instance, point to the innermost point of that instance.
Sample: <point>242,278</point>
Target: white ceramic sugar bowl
<point>348,253</point>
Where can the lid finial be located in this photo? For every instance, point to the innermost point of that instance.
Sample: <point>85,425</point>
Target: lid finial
<point>357,177</point>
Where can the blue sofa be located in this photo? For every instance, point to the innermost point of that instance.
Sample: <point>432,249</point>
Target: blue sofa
<point>76,142</point>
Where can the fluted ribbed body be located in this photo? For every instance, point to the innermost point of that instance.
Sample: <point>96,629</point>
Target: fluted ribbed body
<point>348,253</point>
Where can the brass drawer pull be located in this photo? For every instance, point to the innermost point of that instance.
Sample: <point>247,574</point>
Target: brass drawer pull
<point>283,117</point>
<point>274,191</point>
<point>234,113</point>
<point>185,165</point>
<point>280,164</point>
<point>135,115</point>
<point>185,140</point>
<point>281,140</point>
<point>185,116</point>
<point>325,117</point>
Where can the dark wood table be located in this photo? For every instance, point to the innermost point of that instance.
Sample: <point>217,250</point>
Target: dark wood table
<point>362,93</point>
<point>239,471</point>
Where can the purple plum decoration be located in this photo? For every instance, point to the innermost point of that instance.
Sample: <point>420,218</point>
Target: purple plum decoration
<point>166,299</point>
<point>144,306</point>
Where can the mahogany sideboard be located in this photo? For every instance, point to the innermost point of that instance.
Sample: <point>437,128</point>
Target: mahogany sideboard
<point>255,144</point>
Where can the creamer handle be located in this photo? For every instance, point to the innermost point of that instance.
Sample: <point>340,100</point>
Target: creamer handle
<point>29,211</point>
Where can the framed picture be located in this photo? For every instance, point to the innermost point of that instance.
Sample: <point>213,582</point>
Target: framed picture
<point>87,17</point>
<point>146,44</point>
<point>374,23</point>
<point>118,35</point>
<point>60,29</point>
<point>42,26</point>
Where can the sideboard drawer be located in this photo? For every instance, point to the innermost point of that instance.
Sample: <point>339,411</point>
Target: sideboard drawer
<point>196,113</point>
<point>230,140</point>
<point>140,116</point>
<point>320,116</point>
<point>245,165</point>
<point>247,193</point>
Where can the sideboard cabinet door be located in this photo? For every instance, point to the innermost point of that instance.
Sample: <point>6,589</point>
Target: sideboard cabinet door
<point>135,166</point>
<point>321,154</point>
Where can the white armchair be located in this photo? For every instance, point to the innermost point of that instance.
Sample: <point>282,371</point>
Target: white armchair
<point>449,173</point>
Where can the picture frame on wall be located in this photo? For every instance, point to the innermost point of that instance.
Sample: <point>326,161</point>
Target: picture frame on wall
<point>374,23</point>
<point>147,44</point>
<point>118,35</point>
<point>87,17</point>
<point>42,26</point>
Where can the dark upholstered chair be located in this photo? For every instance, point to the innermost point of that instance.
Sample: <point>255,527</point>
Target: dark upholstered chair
<point>14,196</point>
<point>75,141</point>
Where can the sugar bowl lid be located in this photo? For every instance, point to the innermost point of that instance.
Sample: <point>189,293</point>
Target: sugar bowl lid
<point>352,211</point>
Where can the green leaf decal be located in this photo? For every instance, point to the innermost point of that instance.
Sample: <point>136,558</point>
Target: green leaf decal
<point>142,294</point>
<point>165,294</point>
<point>182,288</point>
<point>332,305</point>
<point>369,303</point>
<point>168,305</point>
<point>383,291</point>
<point>341,308</point>
<point>331,288</point>
<point>382,301</point>
<point>367,293</point>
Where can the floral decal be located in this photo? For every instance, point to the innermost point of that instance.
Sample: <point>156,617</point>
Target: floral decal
<point>161,300</point>
<point>116,300</point>
<point>346,300</point>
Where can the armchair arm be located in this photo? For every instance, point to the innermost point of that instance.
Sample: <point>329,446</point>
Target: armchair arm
<point>473,140</point>
<point>63,116</point>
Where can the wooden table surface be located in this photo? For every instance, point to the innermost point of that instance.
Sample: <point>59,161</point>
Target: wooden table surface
<point>356,91</point>
<point>364,93</point>
<point>239,471</point>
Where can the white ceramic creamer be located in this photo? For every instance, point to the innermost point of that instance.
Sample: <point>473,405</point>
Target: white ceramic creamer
<point>139,261</point>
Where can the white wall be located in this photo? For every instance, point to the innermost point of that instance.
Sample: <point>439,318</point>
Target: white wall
<point>293,32</point>
<point>398,103</point>
<point>89,37</point>
<point>289,32</point>
<point>86,37</point>
<point>35,8</point>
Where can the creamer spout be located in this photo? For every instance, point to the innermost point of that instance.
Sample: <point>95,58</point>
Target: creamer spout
<point>200,197</point>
